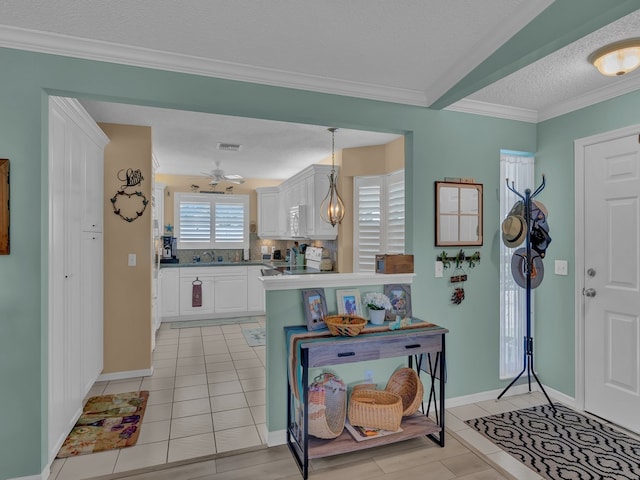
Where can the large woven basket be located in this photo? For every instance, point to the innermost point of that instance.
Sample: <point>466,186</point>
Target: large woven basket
<point>345,325</point>
<point>406,383</point>
<point>375,409</point>
<point>327,406</point>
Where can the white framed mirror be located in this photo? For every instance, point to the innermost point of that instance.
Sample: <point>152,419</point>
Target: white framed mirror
<point>458,214</point>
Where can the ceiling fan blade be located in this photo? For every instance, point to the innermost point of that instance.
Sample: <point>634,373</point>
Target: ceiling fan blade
<point>237,181</point>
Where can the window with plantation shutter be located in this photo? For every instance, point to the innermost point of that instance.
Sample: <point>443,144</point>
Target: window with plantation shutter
<point>211,221</point>
<point>378,218</point>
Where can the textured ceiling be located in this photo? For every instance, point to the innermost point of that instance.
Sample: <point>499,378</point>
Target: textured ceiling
<point>509,58</point>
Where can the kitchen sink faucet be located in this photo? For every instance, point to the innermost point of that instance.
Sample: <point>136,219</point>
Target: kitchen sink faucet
<point>210,254</point>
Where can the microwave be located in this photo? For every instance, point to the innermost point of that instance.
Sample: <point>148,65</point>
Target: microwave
<point>297,222</point>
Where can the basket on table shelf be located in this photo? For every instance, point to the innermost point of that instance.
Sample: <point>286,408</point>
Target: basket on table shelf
<point>327,406</point>
<point>375,409</point>
<point>406,383</point>
<point>346,325</point>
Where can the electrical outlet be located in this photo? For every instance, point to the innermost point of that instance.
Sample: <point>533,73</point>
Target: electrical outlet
<point>132,260</point>
<point>368,376</point>
<point>439,269</point>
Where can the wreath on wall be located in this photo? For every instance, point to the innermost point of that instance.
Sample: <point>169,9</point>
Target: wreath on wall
<point>132,179</point>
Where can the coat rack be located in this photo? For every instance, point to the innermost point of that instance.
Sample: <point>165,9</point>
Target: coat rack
<point>528,339</point>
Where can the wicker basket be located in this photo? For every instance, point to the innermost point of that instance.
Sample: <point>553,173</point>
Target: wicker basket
<point>346,325</point>
<point>327,406</point>
<point>375,409</point>
<point>406,383</point>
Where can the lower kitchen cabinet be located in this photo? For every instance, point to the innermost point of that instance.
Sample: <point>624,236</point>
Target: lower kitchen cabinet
<point>231,293</point>
<point>169,291</point>
<point>186,294</point>
<point>226,290</point>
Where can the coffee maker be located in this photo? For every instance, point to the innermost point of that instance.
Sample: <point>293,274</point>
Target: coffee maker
<point>169,249</point>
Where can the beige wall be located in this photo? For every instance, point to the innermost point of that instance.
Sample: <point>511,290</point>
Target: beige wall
<point>182,183</point>
<point>127,290</point>
<point>355,162</point>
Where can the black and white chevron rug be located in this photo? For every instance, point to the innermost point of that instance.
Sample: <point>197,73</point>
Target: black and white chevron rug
<point>564,445</point>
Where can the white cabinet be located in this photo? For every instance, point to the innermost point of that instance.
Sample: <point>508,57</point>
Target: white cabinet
<point>226,290</point>
<point>169,292</point>
<point>189,278</point>
<point>231,293</point>
<point>255,289</point>
<point>269,212</point>
<point>307,189</point>
<point>75,256</point>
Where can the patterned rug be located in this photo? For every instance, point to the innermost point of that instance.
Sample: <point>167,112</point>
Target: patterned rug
<point>563,445</point>
<point>255,337</point>
<point>107,422</point>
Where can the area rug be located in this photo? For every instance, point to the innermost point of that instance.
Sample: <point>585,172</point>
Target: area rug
<point>255,337</point>
<point>212,322</point>
<point>563,445</point>
<point>107,422</point>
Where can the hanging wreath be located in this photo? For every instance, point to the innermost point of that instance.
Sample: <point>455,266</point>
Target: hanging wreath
<point>118,211</point>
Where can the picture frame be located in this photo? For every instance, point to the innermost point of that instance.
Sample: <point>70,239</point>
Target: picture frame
<point>315,307</point>
<point>400,298</point>
<point>349,302</point>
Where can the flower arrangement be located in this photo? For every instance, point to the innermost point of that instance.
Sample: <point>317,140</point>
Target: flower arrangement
<point>376,301</point>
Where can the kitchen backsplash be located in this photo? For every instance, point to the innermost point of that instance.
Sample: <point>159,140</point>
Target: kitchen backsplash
<point>255,252</point>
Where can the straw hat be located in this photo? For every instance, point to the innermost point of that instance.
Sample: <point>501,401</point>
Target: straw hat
<point>514,227</point>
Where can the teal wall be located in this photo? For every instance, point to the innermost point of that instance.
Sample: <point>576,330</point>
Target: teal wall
<point>438,143</point>
<point>554,302</point>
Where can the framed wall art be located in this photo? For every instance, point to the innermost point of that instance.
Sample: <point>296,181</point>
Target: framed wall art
<point>400,298</point>
<point>315,307</point>
<point>349,302</point>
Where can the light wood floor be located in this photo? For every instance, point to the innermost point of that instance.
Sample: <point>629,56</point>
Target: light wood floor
<point>412,459</point>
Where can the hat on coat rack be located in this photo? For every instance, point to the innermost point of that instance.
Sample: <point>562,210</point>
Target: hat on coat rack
<point>540,238</point>
<point>514,226</point>
<point>519,268</point>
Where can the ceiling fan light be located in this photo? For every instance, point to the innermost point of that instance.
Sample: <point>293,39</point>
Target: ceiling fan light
<point>618,58</point>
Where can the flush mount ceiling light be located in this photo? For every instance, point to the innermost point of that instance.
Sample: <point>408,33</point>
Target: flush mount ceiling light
<point>332,207</point>
<point>618,58</point>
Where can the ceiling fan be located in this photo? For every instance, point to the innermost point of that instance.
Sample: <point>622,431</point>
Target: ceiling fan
<point>217,175</point>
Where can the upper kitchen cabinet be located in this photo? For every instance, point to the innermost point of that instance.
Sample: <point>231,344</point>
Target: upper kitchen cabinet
<point>270,218</point>
<point>292,210</point>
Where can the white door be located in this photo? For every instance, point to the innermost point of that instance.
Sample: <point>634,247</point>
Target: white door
<point>611,280</point>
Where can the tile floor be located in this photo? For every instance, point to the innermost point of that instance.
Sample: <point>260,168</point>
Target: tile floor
<point>206,396</point>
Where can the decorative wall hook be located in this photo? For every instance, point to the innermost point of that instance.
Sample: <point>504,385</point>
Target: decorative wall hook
<point>460,257</point>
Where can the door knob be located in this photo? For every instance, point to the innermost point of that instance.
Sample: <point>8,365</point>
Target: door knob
<point>589,292</point>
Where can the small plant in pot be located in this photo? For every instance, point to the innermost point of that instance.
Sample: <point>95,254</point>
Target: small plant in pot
<point>377,303</point>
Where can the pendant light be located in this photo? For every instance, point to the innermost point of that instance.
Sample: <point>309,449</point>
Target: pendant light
<point>332,207</point>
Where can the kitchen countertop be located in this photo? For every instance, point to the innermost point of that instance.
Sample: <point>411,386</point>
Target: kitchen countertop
<point>216,264</point>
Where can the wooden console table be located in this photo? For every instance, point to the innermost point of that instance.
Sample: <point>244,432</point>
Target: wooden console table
<point>424,347</point>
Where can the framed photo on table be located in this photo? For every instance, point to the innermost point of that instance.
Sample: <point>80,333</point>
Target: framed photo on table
<point>315,307</point>
<point>349,302</point>
<point>400,298</point>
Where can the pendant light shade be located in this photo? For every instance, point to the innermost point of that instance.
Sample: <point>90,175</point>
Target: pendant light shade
<point>618,58</point>
<point>332,207</point>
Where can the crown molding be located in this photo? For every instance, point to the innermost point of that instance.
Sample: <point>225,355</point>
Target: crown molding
<point>494,110</point>
<point>619,86</point>
<point>68,46</point>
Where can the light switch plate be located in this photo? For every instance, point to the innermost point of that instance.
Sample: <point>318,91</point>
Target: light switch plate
<point>132,260</point>
<point>439,269</point>
<point>561,267</point>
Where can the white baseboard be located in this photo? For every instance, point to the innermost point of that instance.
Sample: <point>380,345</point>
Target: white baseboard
<point>108,377</point>
<point>43,476</point>
<point>514,390</point>
<point>278,437</point>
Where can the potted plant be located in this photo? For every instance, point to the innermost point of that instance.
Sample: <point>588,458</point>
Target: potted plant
<point>377,303</point>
